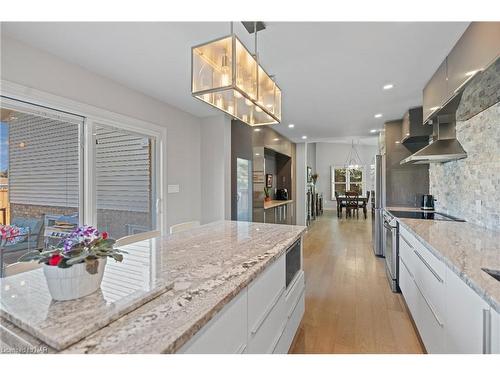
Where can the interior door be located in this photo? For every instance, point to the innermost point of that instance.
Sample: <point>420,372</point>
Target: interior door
<point>244,189</point>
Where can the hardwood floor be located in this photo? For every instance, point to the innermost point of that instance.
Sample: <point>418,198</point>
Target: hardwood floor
<point>349,305</point>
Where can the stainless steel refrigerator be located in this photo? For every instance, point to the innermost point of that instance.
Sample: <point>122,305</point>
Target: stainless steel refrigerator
<point>377,211</point>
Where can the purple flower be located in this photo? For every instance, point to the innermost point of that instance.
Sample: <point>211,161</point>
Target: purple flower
<point>83,235</point>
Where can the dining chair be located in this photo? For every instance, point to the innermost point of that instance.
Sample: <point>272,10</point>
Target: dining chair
<point>352,203</point>
<point>340,205</point>
<point>184,226</point>
<point>127,240</point>
<point>20,267</point>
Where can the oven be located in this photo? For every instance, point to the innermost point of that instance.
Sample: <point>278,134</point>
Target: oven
<point>293,262</point>
<point>391,249</point>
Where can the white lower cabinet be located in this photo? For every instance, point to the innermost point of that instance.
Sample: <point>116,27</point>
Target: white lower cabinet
<point>450,316</point>
<point>226,333</point>
<point>263,318</point>
<point>468,320</point>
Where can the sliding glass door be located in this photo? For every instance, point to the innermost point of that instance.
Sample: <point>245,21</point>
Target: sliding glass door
<point>40,182</point>
<point>59,170</point>
<point>124,179</point>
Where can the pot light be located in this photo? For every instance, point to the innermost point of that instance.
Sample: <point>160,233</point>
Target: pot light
<point>276,139</point>
<point>291,126</point>
<point>304,137</point>
<point>378,115</point>
<point>373,131</point>
<point>257,154</point>
<point>397,142</point>
<point>256,130</point>
<point>388,86</point>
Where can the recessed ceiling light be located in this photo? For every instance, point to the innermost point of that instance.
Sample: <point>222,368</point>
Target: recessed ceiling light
<point>397,142</point>
<point>256,130</point>
<point>257,154</point>
<point>276,139</point>
<point>378,115</point>
<point>291,126</point>
<point>388,86</point>
<point>373,131</point>
<point>304,137</point>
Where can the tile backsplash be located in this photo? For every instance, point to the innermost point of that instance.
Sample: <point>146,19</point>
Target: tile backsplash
<point>470,188</point>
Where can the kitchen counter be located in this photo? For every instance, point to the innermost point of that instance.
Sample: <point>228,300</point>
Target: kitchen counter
<point>276,203</point>
<point>465,248</point>
<point>207,267</point>
<point>410,209</point>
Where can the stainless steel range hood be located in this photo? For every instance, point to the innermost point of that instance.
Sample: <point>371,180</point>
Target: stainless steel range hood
<point>444,146</point>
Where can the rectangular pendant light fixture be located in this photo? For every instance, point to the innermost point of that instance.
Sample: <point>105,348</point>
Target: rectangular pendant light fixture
<point>227,76</point>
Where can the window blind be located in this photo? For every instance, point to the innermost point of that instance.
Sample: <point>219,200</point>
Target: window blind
<point>123,170</point>
<point>43,161</point>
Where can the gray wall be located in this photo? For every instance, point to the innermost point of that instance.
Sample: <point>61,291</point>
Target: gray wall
<point>311,156</point>
<point>31,67</point>
<point>405,184</point>
<point>470,188</point>
<point>215,168</point>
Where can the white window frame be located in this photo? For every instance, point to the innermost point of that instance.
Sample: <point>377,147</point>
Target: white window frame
<point>347,181</point>
<point>93,115</point>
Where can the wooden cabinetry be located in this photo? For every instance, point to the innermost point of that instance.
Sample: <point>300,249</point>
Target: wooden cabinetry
<point>435,92</point>
<point>449,315</point>
<point>478,47</point>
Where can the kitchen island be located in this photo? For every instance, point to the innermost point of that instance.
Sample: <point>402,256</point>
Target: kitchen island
<point>223,287</point>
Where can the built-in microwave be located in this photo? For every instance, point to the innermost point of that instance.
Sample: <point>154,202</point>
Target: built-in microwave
<point>293,262</point>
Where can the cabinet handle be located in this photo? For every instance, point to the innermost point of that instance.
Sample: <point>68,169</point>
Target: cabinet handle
<point>268,311</point>
<point>428,266</point>
<point>405,240</point>
<point>241,348</point>
<point>429,305</point>
<point>486,331</point>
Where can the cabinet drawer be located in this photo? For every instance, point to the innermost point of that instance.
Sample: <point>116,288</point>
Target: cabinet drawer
<point>408,287</point>
<point>264,293</point>
<point>296,289</point>
<point>226,333</point>
<point>292,326</point>
<point>406,251</point>
<point>264,339</point>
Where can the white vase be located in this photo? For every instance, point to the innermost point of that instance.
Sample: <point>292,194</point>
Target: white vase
<point>73,282</point>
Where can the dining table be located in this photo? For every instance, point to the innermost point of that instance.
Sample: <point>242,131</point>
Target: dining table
<point>362,202</point>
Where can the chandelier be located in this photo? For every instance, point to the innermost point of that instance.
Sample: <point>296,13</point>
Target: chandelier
<point>227,76</point>
<point>353,161</point>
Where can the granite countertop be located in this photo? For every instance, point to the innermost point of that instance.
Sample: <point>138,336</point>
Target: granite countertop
<point>275,203</point>
<point>208,266</point>
<point>465,248</point>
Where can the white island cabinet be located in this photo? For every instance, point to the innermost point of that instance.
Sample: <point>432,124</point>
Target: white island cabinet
<point>262,318</point>
<point>449,315</point>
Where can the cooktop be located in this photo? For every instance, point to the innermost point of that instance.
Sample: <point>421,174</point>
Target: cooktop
<point>424,215</point>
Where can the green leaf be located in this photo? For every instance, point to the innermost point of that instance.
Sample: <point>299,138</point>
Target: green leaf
<point>117,257</point>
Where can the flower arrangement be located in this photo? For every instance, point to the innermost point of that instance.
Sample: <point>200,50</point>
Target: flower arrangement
<point>84,245</point>
<point>8,232</point>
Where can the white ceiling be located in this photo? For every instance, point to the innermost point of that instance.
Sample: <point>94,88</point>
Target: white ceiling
<point>331,73</point>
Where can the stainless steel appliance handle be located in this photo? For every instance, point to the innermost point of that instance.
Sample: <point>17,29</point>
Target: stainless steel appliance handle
<point>486,331</point>
<point>429,305</point>
<point>405,240</point>
<point>387,226</point>
<point>428,266</point>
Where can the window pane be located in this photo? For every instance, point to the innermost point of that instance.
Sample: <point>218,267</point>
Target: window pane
<point>340,175</point>
<point>358,188</point>
<point>124,182</point>
<point>340,189</point>
<point>40,177</point>
<point>356,175</point>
